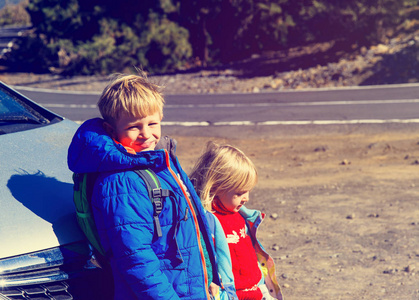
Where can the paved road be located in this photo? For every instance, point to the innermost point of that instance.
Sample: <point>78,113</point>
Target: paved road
<point>390,104</point>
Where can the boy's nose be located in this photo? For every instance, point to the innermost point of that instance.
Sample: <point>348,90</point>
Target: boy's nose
<point>145,133</point>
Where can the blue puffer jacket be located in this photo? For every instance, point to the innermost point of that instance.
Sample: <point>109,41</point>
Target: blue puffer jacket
<point>143,265</point>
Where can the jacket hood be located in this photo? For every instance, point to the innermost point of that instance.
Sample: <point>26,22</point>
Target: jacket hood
<point>93,150</point>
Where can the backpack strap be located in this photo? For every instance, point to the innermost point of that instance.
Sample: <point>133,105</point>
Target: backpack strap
<point>156,193</point>
<point>82,196</point>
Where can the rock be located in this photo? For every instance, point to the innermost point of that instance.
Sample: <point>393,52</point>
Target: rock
<point>380,49</point>
<point>274,216</point>
<point>351,216</point>
<point>390,271</point>
<point>321,148</point>
<point>364,50</point>
<point>345,162</point>
<point>409,269</point>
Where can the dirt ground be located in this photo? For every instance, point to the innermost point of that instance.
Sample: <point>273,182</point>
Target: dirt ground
<point>342,219</point>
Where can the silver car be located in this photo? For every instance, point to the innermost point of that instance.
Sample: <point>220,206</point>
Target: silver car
<point>43,253</point>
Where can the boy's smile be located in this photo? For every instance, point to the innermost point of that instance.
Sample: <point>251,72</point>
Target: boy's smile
<point>140,134</point>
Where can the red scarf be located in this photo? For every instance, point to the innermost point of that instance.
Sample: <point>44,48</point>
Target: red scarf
<point>243,256</point>
<point>129,149</point>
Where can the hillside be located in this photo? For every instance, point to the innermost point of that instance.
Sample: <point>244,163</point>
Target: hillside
<point>326,65</point>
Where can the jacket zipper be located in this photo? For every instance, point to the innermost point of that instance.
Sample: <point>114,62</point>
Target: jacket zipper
<point>198,233</point>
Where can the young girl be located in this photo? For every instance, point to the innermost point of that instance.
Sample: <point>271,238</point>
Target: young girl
<point>223,177</point>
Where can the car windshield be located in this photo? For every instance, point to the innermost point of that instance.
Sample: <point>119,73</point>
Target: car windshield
<point>18,113</point>
<point>13,110</point>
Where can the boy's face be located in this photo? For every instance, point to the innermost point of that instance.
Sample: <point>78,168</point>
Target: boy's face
<point>140,134</point>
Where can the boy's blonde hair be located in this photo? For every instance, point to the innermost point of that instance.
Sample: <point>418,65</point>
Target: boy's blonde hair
<point>222,168</point>
<point>132,95</point>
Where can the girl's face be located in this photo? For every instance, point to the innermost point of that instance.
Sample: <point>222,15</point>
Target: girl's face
<point>233,200</point>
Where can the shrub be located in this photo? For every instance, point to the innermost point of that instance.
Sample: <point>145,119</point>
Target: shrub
<point>15,14</point>
<point>167,48</point>
<point>30,53</point>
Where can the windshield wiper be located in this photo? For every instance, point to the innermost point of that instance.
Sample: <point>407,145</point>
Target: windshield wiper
<point>21,119</point>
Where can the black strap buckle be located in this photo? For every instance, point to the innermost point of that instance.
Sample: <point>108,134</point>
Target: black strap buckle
<point>158,206</point>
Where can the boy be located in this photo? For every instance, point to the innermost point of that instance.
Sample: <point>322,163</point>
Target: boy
<point>180,263</point>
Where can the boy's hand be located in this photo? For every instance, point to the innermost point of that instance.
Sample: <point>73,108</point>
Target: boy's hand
<point>214,290</point>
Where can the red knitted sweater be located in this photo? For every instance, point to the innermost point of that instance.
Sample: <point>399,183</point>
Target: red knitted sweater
<point>243,256</point>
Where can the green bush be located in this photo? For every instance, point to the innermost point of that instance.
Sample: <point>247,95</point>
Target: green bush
<point>158,45</point>
<point>110,51</point>
<point>15,14</point>
<point>103,36</point>
<point>31,54</point>
<point>167,48</point>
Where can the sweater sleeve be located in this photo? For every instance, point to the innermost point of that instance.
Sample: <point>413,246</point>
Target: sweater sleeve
<point>225,270</point>
<point>124,217</point>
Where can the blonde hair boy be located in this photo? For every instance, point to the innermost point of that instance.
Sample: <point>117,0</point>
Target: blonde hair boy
<point>132,108</point>
<point>175,262</point>
<point>132,95</point>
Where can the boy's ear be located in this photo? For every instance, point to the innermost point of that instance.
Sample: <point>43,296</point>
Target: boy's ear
<point>109,128</point>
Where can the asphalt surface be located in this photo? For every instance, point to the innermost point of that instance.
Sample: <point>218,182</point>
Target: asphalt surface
<point>370,105</point>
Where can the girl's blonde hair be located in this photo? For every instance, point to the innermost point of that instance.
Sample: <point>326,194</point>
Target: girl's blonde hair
<point>132,95</point>
<point>222,168</point>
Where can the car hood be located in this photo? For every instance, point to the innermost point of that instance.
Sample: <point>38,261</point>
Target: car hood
<point>37,210</point>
